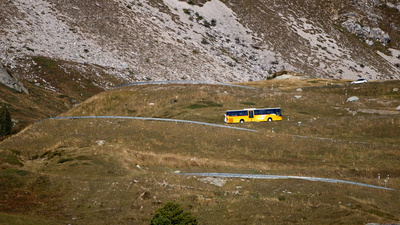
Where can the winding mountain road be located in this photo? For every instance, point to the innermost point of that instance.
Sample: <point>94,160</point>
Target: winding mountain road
<point>145,118</point>
<point>183,82</point>
<point>274,177</point>
<point>225,175</point>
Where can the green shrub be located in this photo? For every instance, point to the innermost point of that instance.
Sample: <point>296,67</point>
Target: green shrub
<point>172,213</point>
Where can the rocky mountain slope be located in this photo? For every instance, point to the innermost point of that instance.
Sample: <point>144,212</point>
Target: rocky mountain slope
<point>119,41</point>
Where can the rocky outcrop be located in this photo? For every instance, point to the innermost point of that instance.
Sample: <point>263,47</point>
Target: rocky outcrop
<point>11,82</point>
<point>374,34</point>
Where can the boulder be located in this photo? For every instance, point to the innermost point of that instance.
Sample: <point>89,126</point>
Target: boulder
<point>100,142</point>
<point>353,99</point>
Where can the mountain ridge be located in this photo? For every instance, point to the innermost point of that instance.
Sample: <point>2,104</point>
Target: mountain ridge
<point>79,48</point>
<point>162,36</point>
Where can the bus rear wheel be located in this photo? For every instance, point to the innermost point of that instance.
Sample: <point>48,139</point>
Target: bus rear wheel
<point>241,121</point>
<point>269,119</point>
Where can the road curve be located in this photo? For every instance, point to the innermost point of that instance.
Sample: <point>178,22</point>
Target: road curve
<point>226,175</point>
<point>272,177</point>
<point>183,82</point>
<point>145,118</point>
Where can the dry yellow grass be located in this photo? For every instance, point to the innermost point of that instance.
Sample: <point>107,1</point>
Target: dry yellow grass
<point>114,170</point>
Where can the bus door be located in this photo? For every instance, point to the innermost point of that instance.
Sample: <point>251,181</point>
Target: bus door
<point>251,115</point>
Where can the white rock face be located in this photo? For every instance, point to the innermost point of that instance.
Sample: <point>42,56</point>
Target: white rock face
<point>173,40</point>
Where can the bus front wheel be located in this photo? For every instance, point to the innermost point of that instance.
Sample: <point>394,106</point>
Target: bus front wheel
<point>241,121</point>
<point>269,119</point>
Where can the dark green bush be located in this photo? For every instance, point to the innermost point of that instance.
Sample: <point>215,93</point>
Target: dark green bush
<point>171,214</point>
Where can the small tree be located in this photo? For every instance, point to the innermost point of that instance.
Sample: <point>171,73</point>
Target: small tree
<point>172,214</point>
<point>5,120</point>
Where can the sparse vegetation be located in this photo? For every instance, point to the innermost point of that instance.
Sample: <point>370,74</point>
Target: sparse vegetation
<point>187,11</point>
<point>131,173</point>
<point>7,158</point>
<point>248,103</point>
<point>204,41</point>
<point>198,17</point>
<point>213,22</point>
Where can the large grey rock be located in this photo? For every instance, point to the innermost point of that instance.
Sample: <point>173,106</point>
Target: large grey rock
<point>353,99</point>
<point>376,33</point>
<point>11,82</point>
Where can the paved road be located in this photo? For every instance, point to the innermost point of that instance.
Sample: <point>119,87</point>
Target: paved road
<point>227,175</point>
<point>146,118</point>
<point>271,177</point>
<point>183,82</point>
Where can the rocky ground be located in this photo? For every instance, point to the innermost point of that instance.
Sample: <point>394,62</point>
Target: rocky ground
<point>225,41</point>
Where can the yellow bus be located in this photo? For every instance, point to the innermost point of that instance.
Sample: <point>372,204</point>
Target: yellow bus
<point>253,115</point>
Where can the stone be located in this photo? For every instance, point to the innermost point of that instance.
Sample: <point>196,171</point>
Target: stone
<point>297,96</point>
<point>353,99</point>
<point>100,142</point>
<point>385,39</point>
<point>395,89</point>
<point>299,89</point>
<point>398,108</point>
<point>369,42</point>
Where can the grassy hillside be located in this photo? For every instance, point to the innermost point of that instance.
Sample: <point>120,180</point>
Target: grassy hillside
<point>39,103</point>
<point>108,171</point>
<point>55,86</point>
